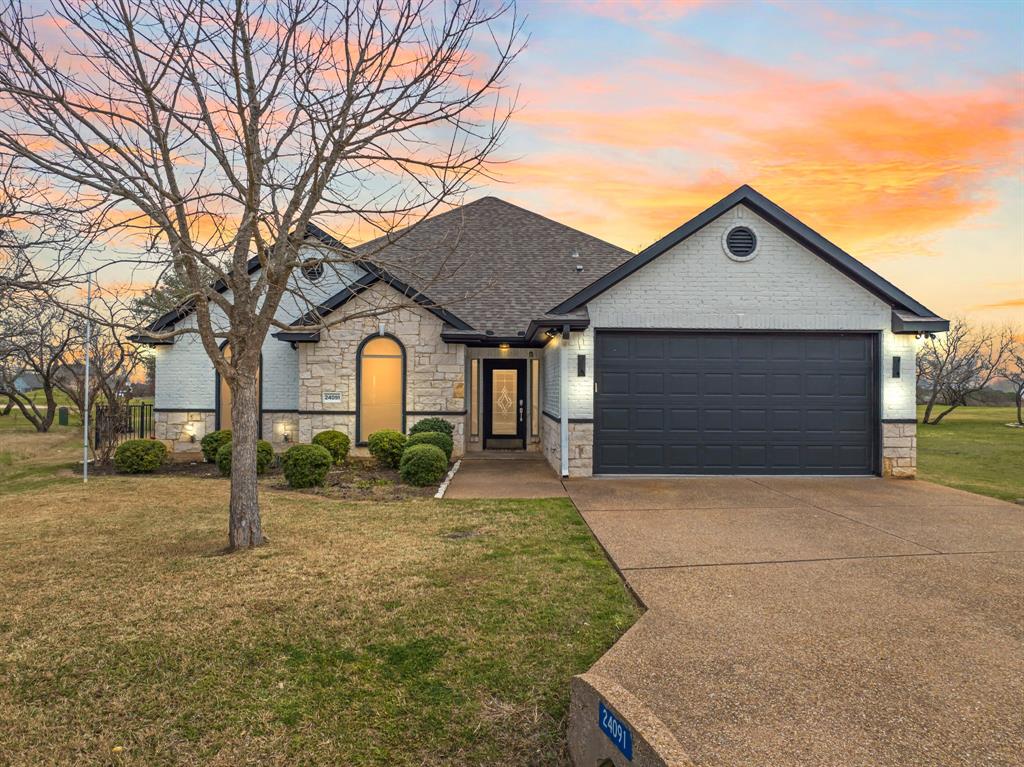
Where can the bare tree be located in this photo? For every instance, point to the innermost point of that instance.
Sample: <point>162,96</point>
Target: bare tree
<point>1012,370</point>
<point>217,130</point>
<point>35,335</point>
<point>113,360</point>
<point>958,364</point>
<point>42,237</point>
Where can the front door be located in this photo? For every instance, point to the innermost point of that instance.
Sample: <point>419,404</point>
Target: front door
<point>504,403</point>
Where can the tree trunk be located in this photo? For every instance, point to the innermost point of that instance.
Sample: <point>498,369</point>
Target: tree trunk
<point>943,414</point>
<point>1020,401</point>
<point>244,528</point>
<point>933,395</point>
<point>10,405</point>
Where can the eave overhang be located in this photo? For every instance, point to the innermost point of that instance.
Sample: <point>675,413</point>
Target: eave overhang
<point>142,338</point>
<point>908,322</point>
<point>533,337</point>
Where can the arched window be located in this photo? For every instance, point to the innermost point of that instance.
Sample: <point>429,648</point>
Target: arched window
<point>381,386</point>
<point>222,418</point>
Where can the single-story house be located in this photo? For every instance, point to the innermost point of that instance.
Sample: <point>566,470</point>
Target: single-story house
<point>742,342</point>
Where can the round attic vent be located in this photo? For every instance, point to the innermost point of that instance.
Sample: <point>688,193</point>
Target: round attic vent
<point>741,243</point>
<point>313,270</point>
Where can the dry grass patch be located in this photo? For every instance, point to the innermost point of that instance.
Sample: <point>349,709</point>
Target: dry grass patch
<point>365,634</point>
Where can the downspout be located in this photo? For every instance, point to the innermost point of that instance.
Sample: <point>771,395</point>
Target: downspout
<point>563,399</point>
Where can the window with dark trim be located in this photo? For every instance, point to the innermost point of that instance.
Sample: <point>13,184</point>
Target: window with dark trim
<point>381,397</point>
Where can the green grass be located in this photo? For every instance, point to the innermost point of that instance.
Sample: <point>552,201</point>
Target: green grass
<point>408,633</point>
<point>973,450</point>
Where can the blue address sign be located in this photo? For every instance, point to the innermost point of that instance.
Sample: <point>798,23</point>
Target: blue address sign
<point>617,732</point>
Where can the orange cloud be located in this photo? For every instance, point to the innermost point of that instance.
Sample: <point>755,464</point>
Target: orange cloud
<point>859,162</point>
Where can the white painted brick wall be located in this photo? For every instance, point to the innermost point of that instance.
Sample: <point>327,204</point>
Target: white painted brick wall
<point>785,287</point>
<point>185,376</point>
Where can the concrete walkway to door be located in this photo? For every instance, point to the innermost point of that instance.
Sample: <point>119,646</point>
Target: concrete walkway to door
<point>505,474</point>
<point>813,622</point>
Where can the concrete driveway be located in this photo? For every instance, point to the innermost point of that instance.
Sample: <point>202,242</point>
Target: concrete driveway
<point>798,621</point>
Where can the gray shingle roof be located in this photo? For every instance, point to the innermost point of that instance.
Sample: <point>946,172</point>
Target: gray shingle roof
<point>494,265</point>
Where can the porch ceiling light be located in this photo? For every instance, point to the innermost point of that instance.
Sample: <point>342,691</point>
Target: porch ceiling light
<point>504,346</point>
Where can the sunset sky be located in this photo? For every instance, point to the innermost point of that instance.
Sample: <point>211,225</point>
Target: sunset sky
<point>895,130</point>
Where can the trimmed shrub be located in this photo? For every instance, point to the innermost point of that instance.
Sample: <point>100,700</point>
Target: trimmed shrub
<point>423,465</point>
<point>336,442</point>
<point>306,465</point>
<point>264,457</point>
<point>433,424</point>
<point>139,456</point>
<point>387,446</point>
<point>435,438</point>
<point>212,442</point>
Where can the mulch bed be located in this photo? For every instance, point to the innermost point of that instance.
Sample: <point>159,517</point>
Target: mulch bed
<point>356,479</point>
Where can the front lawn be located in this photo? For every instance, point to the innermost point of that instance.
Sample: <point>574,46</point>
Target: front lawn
<point>973,450</point>
<point>407,633</point>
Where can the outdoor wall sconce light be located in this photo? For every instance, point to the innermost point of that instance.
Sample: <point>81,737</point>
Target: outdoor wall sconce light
<point>896,367</point>
<point>287,437</point>
<point>191,437</point>
<point>581,365</point>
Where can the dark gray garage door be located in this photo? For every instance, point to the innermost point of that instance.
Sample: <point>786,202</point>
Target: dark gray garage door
<point>735,403</point>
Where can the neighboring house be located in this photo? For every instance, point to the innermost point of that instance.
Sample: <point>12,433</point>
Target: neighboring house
<point>741,343</point>
<point>26,382</point>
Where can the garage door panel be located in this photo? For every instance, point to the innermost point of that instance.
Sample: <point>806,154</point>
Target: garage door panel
<point>648,419</point>
<point>752,383</point>
<point>683,457</point>
<point>614,418</point>
<point>683,419</point>
<point>647,456</point>
<point>716,384</point>
<point>750,457</point>
<point>748,403</point>
<point>649,347</point>
<point>717,420</point>
<point>853,385</point>
<point>648,383</point>
<point>611,383</point>
<point>683,349</point>
<point>682,384</point>
<point>751,420</point>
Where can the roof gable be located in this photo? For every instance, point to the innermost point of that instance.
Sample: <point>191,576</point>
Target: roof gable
<point>787,223</point>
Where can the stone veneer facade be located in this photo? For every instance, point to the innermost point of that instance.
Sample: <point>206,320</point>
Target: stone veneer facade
<point>899,450</point>
<point>181,430</point>
<point>434,370</point>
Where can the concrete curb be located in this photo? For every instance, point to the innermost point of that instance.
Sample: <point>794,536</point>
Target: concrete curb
<point>653,744</point>
<point>447,480</point>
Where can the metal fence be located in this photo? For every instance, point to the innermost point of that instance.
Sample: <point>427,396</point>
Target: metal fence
<point>130,422</point>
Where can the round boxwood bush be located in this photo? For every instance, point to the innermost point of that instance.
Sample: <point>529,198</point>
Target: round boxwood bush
<point>435,438</point>
<point>264,457</point>
<point>423,465</point>
<point>336,442</point>
<point>432,424</point>
<point>306,465</point>
<point>139,456</point>
<point>212,442</point>
<point>387,446</point>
